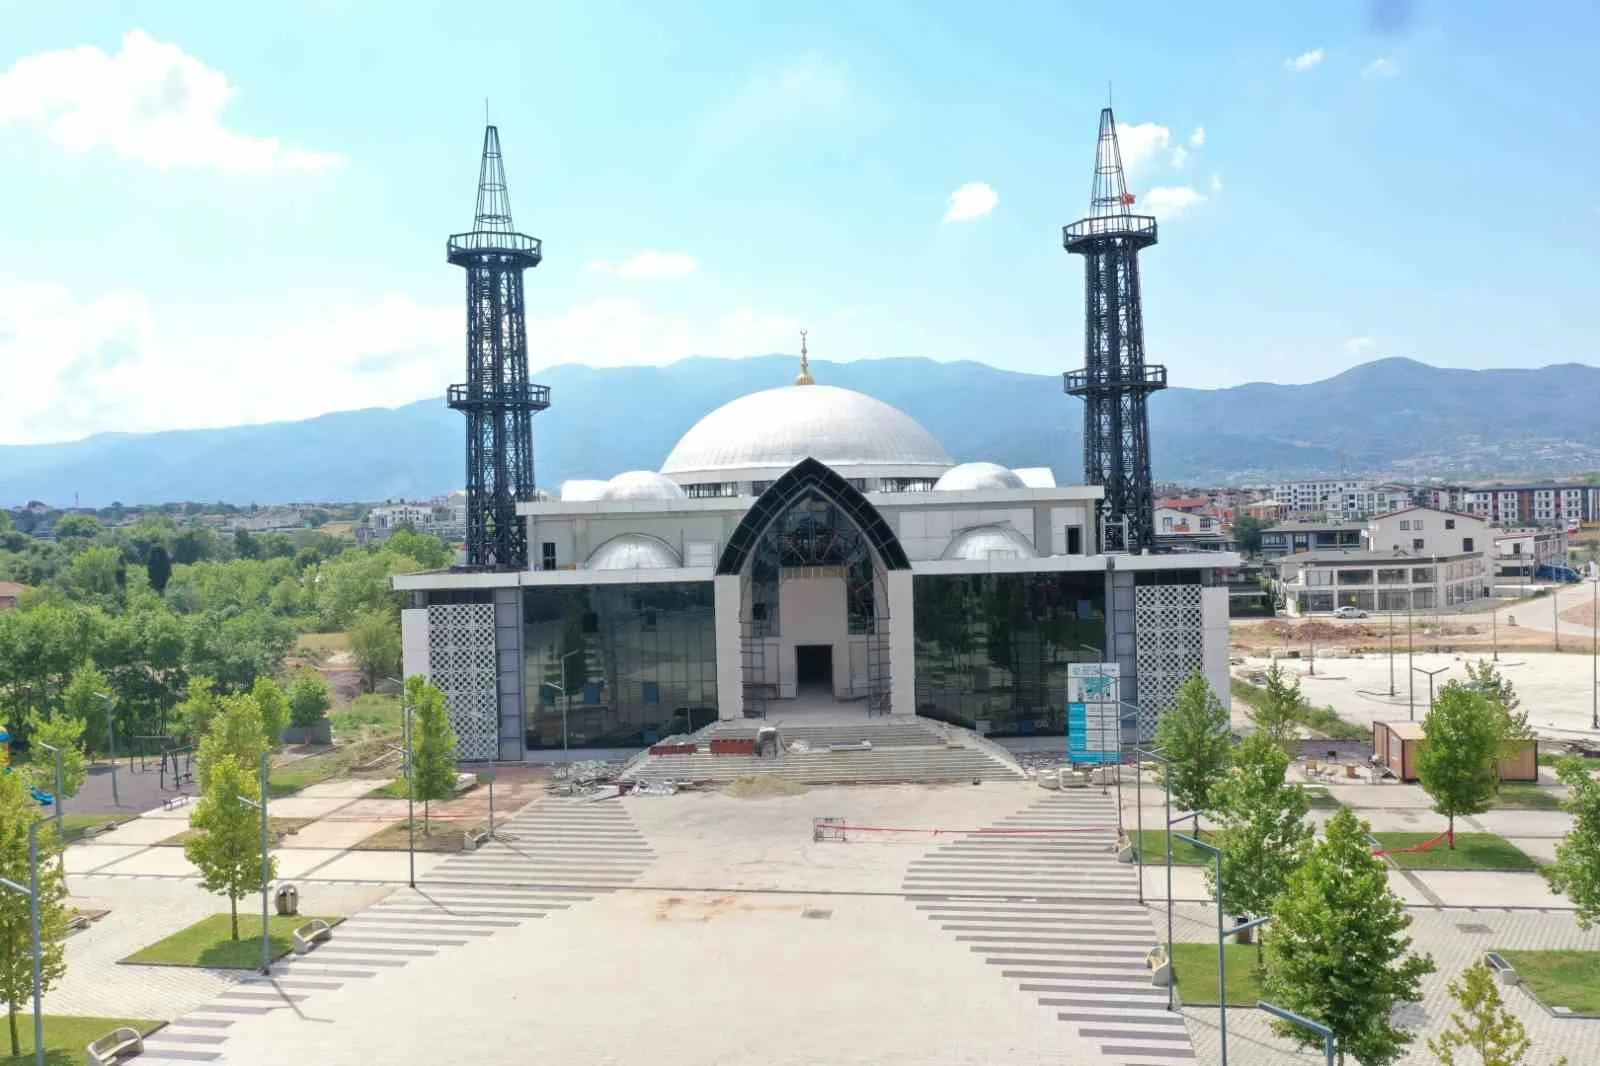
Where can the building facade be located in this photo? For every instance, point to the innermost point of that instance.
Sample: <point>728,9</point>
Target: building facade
<point>1287,538</point>
<point>1381,581</point>
<point>804,548</point>
<point>1545,504</point>
<point>1521,552</point>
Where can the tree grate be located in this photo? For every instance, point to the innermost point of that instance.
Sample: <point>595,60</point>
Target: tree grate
<point>812,912</point>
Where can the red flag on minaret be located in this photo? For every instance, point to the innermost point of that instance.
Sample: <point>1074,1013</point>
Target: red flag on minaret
<point>1127,198</point>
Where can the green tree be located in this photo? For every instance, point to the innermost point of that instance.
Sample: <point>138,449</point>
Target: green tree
<point>274,705</point>
<point>1482,1025</point>
<point>236,730</point>
<point>66,733</point>
<point>1193,735</point>
<point>433,746</point>
<point>78,527</point>
<point>1247,530</point>
<point>227,850</point>
<point>1576,871</point>
<point>375,645</point>
<point>429,552</point>
<point>1261,828</point>
<point>1484,676</point>
<point>17,810</point>
<point>159,568</point>
<point>198,708</point>
<point>1465,734</point>
<point>81,700</point>
<point>1279,708</point>
<point>1338,951</point>
<point>309,700</point>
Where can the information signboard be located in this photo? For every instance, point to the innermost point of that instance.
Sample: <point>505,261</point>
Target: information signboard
<point>1093,712</point>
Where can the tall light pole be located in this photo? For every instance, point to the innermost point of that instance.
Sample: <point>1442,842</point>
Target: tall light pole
<point>1555,613</point>
<point>31,890</point>
<point>1594,656</point>
<point>111,745</point>
<point>1391,655</point>
<point>59,798</point>
<point>266,862</point>
<point>1411,677</point>
<point>406,769</point>
<point>1431,675</point>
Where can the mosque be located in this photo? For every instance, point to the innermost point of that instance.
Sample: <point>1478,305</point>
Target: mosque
<point>809,550</point>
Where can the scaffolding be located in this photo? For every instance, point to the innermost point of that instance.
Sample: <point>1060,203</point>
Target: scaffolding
<point>758,692</point>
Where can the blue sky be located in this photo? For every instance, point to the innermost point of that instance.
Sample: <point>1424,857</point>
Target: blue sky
<point>214,216</point>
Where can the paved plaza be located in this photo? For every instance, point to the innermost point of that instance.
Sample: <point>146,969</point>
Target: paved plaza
<point>715,929</point>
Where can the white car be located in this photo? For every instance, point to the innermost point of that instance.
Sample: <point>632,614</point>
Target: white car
<point>1349,612</point>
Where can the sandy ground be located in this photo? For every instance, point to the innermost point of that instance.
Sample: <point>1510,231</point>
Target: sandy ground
<point>1558,691</point>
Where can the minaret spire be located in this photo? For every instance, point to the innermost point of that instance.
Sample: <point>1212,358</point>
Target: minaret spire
<point>1110,195</point>
<point>494,200</point>
<point>804,377</point>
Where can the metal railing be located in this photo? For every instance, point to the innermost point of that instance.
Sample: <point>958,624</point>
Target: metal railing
<point>533,397</point>
<point>1140,226</point>
<point>1077,382</point>
<point>489,241</point>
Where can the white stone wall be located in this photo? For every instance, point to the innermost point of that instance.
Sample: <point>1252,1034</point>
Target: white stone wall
<point>730,660</point>
<point>414,642</point>
<point>1214,625</point>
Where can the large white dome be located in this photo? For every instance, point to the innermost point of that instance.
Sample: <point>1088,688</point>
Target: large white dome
<point>776,428</point>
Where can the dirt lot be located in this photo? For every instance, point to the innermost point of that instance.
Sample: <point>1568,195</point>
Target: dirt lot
<point>1291,635</point>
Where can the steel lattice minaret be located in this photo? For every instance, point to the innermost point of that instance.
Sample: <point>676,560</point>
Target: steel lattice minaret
<point>1115,382</point>
<point>497,399</point>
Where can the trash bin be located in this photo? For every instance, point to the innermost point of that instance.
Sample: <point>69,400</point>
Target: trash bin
<point>1243,936</point>
<point>288,898</point>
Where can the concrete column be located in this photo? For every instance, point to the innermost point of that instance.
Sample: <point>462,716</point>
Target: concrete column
<point>902,644</point>
<point>727,593</point>
<point>509,671</point>
<point>414,642</point>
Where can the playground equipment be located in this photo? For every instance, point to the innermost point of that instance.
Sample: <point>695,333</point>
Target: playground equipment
<point>39,795</point>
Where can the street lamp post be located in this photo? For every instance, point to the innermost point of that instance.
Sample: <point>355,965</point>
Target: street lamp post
<point>406,771</point>
<point>1431,674</point>
<point>59,798</point>
<point>1139,754</point>
<point>1594,655</point>
<point>1391,655</point>
<point>31,890</point>
<point>566,705</point>
<point>266,862</point>
<point>1330,1043</point>
<point>111,745</point>
<point>1411,678</point>
<point>1222,937</point>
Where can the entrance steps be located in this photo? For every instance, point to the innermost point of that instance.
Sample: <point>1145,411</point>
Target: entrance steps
<point>904,750</point>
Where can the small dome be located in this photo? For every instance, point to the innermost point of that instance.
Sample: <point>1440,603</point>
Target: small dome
<point>581,490</point>
<point>989,542</point>
<point>641,485</point>
<point>633,551</point>
<point>776,428</point>
<point>970,476</point>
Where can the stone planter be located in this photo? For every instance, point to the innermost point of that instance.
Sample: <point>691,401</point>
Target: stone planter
<point>321,733</point>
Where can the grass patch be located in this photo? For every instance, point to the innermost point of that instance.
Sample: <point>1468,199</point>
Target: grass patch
<point>1556,758</point>
<point>66,1035</point>
<point>442,836</point>
<point>74,825</point>
<point>1560,978</point>
<point>1473,851</point>
<point>209,942</point>
<point>1320,798</point>
<point>1324,720</point>
<point>1526,798</point>
<point>322,643</point>
<point>1196,968</point>
<point>312,770</point>
<point>277,827</point>
<point>394,790</point>
<point>381,713</point>
<point>1152,848</point>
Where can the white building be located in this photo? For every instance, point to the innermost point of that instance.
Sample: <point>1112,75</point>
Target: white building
<point>1520,552</point>
<point>1547,504</point>
<point>808,547</point>
<point>387,517</point>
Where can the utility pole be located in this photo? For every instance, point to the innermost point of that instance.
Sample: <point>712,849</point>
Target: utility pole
<point>1391,655</point>
<point>111,745</point>
<point>32,892</point>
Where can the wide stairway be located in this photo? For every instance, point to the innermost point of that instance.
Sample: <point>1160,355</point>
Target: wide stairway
<point>903,750</point>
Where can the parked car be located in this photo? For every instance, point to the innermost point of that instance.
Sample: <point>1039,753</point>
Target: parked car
<point>1349,612</point>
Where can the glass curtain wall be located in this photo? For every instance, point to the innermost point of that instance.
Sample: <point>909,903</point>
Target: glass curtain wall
<point>629,663</point>
<point>995,647</point>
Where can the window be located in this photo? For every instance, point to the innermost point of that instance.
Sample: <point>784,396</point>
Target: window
<point>1416,544</point>
<point>759,487</point>
<point>1405,523</point>
<point>711,489</point>
<point>1466,544</point>
<point>1074,540</point>
<point>547,555</point>
<point>1166,524</point>
<point>1449,523</point>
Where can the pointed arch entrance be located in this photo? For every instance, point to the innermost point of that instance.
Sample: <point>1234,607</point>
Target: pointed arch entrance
<point>812,556</point>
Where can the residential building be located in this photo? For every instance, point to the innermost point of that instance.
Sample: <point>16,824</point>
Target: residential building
<point>1289,537</point>
<point>1268,510</point>
<point>808,548</point>
<point>1192,531</point>
<point>387,517</point>
<point>1520,552</point>
<point>1427,531</point>
<point>1544,504</point>
<point>1341,500</point>
<point>1320,581</point>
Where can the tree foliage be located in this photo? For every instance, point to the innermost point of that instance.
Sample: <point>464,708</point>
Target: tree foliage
<point>1484,676</point>
<point>274,707</point>
<point>1576,871</point>
<point>65,733</point>
<point>235,730</point>
<point>227,850</point>
<point>1338,951</point>
<point>17,812</point>
<point>82,701</point>
<point>1482,1025</point>
<point>1457,764</point>
<point>1261,827</point>
<point>158,568</point>
<point>375,645</point>
<point>308,699</point>
<point>1193,736</point>
<point>433,745</point>
<point>1247,530</point>
<point>1280,707</point>
<point>199,707</point>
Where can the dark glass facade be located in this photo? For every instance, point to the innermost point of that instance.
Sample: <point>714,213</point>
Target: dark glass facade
<point>995,647</point>
<point>630,663</point>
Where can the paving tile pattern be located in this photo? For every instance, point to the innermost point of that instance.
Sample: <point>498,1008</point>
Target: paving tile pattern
<point>1042,897</point>
<point>552,856</point>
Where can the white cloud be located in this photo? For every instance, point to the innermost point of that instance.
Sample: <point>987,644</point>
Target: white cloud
<point>149,102</point>
<point>1304,61</point>
<point>1169,201</point>
<point>974,200</point>
<point>647,265</point>
<point>1141,146</point>
<point>806,88</point>
<point>1358,346</point>
<point>117,361</point>
<point>1382,67</point>
<point>1197,139</point>
<point>1180,156</point>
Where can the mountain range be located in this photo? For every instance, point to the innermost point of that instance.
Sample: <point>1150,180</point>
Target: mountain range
<point>1391,417</point>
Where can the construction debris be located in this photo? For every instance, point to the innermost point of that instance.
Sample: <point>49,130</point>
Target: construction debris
<point>763,786</point>
<point>583,778</point>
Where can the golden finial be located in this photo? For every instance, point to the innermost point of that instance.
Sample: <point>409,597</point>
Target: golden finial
<point>804,377</point>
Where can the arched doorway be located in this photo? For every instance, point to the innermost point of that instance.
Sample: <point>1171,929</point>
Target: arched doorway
<point>812,555</point>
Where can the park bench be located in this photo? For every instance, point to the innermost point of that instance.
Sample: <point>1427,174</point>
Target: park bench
<point>173,802</point>
<point>116,1045</point>
<point>310,935</point>
<point>1502,969</point>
